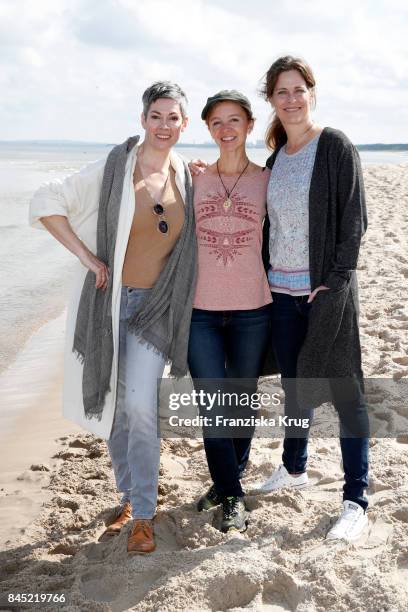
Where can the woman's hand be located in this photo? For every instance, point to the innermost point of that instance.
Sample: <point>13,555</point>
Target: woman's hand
<point>60,228</point>
<point>101,270</point>
<point>197,166</point>
<point>315,292</point>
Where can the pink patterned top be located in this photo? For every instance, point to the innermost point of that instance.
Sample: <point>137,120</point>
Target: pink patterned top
<point>231,274</point>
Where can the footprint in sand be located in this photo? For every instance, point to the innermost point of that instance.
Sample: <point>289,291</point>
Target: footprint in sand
<point>65,548</point>
<point>403,325</point>
<point>66,503</point>
<point>7,570</point>
<point>174,465</point>
<point>327,480</point>
<point>393,307</point>
<point>401,374</point>
<point>372,315</point>
<point>84,489</point>
<point>401,360</point>
<point>324,450</point>
<point>402,560</point>
<point>281,593</point>
<point>317,478</point>
<point>98,551</point>
<point>375,485</point>
<point>372,332</point>
<point>67,455</point>
<point>165,532</point>
<point>82,443</point>
<point>401,514</point>
<point>376,537</point>
<point>97,476</point>
<point>97,585</point>
<point>385,334</point>
<point>381,498</point>
<point>233,590</point>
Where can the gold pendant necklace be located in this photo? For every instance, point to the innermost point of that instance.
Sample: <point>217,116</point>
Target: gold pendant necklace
<point>228,202</point>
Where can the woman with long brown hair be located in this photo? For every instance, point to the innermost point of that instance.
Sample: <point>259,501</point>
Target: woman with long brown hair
<point>316,219</point>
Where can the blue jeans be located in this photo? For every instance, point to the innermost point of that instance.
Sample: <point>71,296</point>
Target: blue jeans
<point>223,345</point>
<point>134,445</point>
<point>289,327</point>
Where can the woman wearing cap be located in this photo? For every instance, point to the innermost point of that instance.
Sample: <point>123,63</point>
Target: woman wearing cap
<point>317,217</point>
<point>230,320</point>
<point>132,304</point>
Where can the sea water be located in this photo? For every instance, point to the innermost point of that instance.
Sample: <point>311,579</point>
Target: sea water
<point>35,270</point>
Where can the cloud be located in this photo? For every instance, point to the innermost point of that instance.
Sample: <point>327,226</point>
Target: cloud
<point>105,24</point>
<point>77,68</point>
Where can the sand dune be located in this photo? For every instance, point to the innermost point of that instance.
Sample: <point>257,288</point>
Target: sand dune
<point>282,562</point>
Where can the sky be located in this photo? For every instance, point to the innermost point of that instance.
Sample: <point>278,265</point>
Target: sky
<point>76,69</point>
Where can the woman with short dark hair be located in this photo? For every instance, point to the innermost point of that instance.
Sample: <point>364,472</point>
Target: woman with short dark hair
<point>129,220</point>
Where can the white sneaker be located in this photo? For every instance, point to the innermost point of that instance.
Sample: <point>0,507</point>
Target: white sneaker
<point>281,479</point>
<point>351,523</point>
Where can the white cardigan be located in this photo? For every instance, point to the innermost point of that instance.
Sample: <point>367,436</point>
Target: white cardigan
<point>77,198</point>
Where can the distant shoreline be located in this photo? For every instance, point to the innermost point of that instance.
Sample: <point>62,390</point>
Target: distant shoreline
<point>187,145</point>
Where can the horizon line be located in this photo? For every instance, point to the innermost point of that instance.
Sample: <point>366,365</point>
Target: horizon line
<point>259,144</point>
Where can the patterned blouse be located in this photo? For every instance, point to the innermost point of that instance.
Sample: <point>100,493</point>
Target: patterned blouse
<point>288,210</point>
<point>231,274</point>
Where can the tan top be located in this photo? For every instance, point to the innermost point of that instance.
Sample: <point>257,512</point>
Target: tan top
<point>148,249</point>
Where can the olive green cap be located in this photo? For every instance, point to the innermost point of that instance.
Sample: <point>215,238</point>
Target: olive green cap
<point>230,95</point>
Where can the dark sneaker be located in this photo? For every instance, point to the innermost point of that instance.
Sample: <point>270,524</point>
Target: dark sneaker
<point>209,500</point>
<point>234,514</point>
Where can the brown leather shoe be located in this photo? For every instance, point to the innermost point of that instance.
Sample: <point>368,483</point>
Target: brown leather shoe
<point>141,539</point>
<point>124,516</point>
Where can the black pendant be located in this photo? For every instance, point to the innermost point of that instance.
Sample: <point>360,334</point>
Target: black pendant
<point>163,227</point>
<point>158,209</point>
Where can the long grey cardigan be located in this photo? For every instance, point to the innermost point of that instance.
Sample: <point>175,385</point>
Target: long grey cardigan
<point>337,222</point>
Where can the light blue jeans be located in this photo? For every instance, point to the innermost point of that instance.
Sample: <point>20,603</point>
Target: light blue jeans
<point>134,445</point>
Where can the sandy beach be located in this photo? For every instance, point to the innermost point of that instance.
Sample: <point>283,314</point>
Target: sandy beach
<point>57,489</point>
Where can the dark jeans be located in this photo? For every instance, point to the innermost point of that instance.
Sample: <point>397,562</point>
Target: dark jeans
<point>226,345</point>
<point>289,327</point>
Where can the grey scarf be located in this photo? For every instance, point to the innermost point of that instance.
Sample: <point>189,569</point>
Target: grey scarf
<point>163,320</point>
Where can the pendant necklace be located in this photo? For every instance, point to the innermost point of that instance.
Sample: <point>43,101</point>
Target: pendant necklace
<point>228,202</point>
<point>158,208</point>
